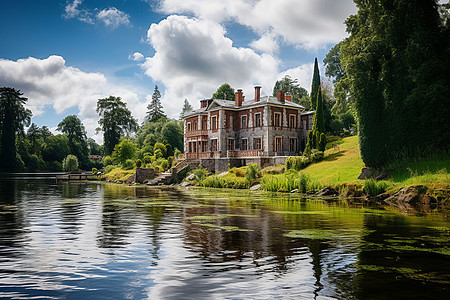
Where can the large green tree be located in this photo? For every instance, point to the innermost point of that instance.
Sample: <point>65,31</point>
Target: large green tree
<point>115,121</point>
<point>397,62</point>
<point>13,117</point>
<point>292,87</point>
<point>225,91</point>
<point>332,63</point>
<point>75,131</point>
<point>155,109</point>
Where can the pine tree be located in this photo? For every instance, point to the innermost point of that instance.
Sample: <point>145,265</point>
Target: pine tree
<point>315,84</point>
<point>187,107</point>
<point>155,109</point>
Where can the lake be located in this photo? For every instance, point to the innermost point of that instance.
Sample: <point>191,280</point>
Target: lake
<point>104,241</point>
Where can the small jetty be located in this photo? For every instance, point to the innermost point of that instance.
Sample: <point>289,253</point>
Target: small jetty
<point>75,176</point>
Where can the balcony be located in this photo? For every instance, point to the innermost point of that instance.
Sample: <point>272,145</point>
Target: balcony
<point>244,153</point>
<point>197,133</point>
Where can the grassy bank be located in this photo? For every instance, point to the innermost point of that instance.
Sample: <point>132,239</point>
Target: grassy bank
<point>340,169</point>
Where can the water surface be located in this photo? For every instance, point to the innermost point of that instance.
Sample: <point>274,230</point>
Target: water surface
<point>100,241</point>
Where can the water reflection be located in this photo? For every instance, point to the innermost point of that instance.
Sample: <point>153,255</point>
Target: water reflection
<point>74,240</point>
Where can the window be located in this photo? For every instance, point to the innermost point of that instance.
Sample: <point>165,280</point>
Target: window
<point>292,145</point>
<point>292,121</point>
<point>258,120</point>
<point>243,121</point>
<point>231,122</point>
<point>257,144</point>
<point>244,145</point>
<point>230,144</point>
<point>204,123</point>
<point>304,124</point>
<point>278,144</point>
<point>204,146</point>
<point>195,126</point>
<point>277,120</point>
<point>189,126</point>
<point>214,122</point>
<point>214,145</point>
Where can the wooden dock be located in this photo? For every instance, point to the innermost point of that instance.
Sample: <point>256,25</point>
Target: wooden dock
<point>66,177</point>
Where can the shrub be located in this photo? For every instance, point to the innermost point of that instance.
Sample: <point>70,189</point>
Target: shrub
<point>162,148</point>
<point>128,165</point>
<point>322,142</point>
<point>253,172</point>
<point>170,161</point>
<point>147,158</point>
<point>124,150</point>
<point>176,153</point>
<point>107,161</point>
<point>158,154</point>
<point>200,174</point>
<point>109,168</point>
<point>238,172</point>
<point>316,155</point>
<point>138,163</point>
<point>297,162</point>
<point>94,171</point>
<point>70,163</point>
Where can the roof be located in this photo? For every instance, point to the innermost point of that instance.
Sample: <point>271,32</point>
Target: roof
<point>308,112</point>
<point>249,103</point>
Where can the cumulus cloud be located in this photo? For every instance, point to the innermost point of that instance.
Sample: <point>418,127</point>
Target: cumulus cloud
<point>267,43</point>
<point>302,73</point>
<point>136,56</point>
<point>193,58</point>
<point>72,10</point>
<point>303,23</point>
<point>113,18</point>
<point>50,82</point>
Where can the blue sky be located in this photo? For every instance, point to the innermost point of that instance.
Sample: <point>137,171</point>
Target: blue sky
<point>64,55</point>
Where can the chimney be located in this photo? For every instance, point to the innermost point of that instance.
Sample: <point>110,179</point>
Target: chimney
<point>257,93</point>
<point>280,96</point>
<point>203,103</point>
<point>238,98</point>
<point>288,97</point>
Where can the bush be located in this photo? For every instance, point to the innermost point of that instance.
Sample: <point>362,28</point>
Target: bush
<point>238,172</point>
<point>253,172</point>
<point>277,169</point>
<point>107,161</point>
<point>94,171</point>
<point>297,162</point>
<point>128,165</point>
<point>138,163</point>
<point>124,150</point>
<point>200,174</point>
<point>289,181</point>
<point>316,155</point>
<point>176,153</point>
<point>162,148</point>
<point>70,163</point>
<point>147,158</point>
<point>109,168</point>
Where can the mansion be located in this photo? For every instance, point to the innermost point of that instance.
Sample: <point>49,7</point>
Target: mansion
<point>264,130</point>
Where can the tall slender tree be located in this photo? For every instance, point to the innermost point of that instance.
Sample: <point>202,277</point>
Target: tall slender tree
<point>155,109</point>
<point>315,84</point>
<point>187,107</point>
<point>75,131</point>
<point>13,117</point>
<point>115,121</point>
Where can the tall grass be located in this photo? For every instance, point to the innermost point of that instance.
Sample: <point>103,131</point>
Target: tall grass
<point>374,188</point>
<point>232,182</point>
<point>290,181</point>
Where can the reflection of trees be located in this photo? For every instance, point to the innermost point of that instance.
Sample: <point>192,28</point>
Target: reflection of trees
<point>395,261</point>
<point>11,218</point>
<point>72,207</point>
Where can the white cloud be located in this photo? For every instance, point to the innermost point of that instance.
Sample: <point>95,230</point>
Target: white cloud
<point>136,56</point>
<point>112,17</point>
<point>72,10</point>
<point>267,43</point>
<point>302,73</point>
<point>193,58</point>
<point>304,23</point>
<point>50,82</point>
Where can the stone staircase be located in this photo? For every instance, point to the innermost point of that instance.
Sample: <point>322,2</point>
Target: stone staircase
<point>162,178</point>
<point>166,177</point>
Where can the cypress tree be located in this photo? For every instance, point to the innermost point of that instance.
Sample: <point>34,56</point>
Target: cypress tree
<point>315,84</point>
<point>155,109</point>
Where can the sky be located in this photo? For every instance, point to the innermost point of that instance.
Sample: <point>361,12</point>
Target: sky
<point>65,55</point>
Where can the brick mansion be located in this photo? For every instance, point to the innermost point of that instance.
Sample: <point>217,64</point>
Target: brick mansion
<point>264,130</point>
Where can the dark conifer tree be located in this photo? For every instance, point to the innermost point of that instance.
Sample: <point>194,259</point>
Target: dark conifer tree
<point>315,85</point>
<point>155,109</point>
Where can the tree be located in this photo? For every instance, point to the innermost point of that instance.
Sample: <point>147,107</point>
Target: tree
<point>123,151</point>
<point>187,107</point>
<point>13,117</point>
<point>225,91</point>
<point>290,86</point>
<point>397,64</point>
<point>172,131</point>
<point>115,121</point>
<point>315,85</point>
<point>332,63</point>
<point>75,131</point>
<point>155,109</point>
<point>70,163</point>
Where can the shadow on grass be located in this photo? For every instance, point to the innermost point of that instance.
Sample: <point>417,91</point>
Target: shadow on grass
<point>334,156</point>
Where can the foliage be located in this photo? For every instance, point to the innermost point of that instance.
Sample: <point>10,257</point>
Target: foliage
<point>176,153</point>
<point>315,86</point>
<point>161,148</point>
<point>94,171</point>
<point>292,87</point>
<point>125,150</point>
<point>200,174</point>
<point>239,172</point>
<point>289,181</point>
<point>316,155</point>
<point>117,174</point>
<point>155,109</point>
<point>227,181</point>
<point>187,107</point>
<point>297,162</point>
<point>115,121</point>
<point>374,188</point>
<point>13,117</point>
<point>107,160</point>
<point>70,163</point>
<point>253,172</point>
<point>322,142</point>
<point>138,163</point>
<point>225,91</point>
<point>75,131</point>
<point>332,63</point>
<point>398,73</point>
<point>128,164</point>
<point>277,169</point>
